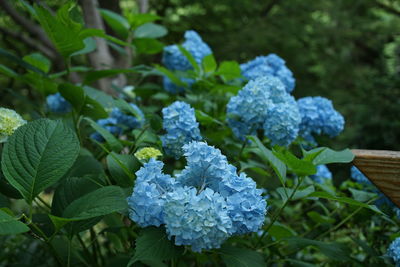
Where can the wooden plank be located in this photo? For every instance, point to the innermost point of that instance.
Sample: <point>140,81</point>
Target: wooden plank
<point>382,168</point>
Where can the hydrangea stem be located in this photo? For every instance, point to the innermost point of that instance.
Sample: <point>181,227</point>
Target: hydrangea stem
<point>278,213</point>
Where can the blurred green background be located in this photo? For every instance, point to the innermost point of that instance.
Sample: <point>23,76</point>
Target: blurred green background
<point>348,51</point>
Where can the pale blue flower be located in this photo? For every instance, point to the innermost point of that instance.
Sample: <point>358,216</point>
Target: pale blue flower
<point>323,173</point>
<point>264,104</point>
<point>180,123</point>
<point>282,124</point>
<point>197,219</point>
<point>128,121</point>
<point>206,203</point>
<point>58,104</point>
<point>146,204</point>
<point>118,121</point>
<point>173,58</point>
<point>318,116</point>
<point>394,251</point>
<point>269,65</point>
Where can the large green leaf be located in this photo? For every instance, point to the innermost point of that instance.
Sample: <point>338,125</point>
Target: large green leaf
<point>37,155</point>
<point>113,142</point>
<point>39,61</point>
<point>62,31</point>
<point>122,167</point>
<point>9,225</point>
<point>334,250</point>
<point>298,166</point>
<point>150,30</point>
<point>100,202</point>
<point>241,257</point>
<point>153,244</point>
<point>331,156</point>
<point>118,23</point>
<point>266,154</point>
<point>229,70</point>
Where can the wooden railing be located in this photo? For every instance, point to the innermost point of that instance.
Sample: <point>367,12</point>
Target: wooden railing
<point>382,168</point>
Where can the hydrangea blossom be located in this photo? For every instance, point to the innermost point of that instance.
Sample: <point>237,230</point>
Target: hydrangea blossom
<point>9,122</point>
<point>118,121</point>
<point>318,116</point>
<point>204,205</point>
<point>264,104</point>
<point>146,204</point>
<point>147,153</point>
<point>58,104</point>
<point>269,65</point>
<point>322,174</point>
<point>394,251</point>
<point>173,58</point>
<point>180,123</point>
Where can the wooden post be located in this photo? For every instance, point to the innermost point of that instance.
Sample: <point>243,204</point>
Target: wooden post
<point>382,168</point>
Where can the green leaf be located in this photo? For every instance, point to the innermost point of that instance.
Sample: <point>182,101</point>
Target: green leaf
<point>8,72</point>
<point>190,58</point>
<point>240,257</point>
<point>170,75</point>
<point>90,46</point>
<point>153,244</point>
<point>279,231</point>
<point>297,166</point>
<point>136,20</point>
<point>277,165</point>
<point>95,75</point>
<point>82,103</point>
<point>346,200</point>
<point>9,225</point>
<point>209,64</point>
<point>299,194</point>
<point>319,218</point>
<point>61,29</point>
<point>361,195</point>
<point>69,190</point>
<point>118,23</point>
<point>122,167</point>
<point>37,155</point>
<point>114,143</point>
<point>39,61</point>
<point>229,70</point>
<point>150,30</point>
<point>100,202</point>
<point>148,46</point>
<point>73,94</point>
<point>20,62</point>
<point>40,83</point>
<point>206,119</point>
<point>331,156</point>
<point>334,250</point>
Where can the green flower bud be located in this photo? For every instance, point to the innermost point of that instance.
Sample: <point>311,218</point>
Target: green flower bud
<point>9,122</point>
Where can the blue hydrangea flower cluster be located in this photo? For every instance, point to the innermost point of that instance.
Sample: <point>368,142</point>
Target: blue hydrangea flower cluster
<point>179,121</point>
<point>58,104</point>
<point>323,173</point>
<point>269,65</point>
<point>118,121</point>
<point>394,251</point>
<point>264,104</point>
<point>318,116</point>
<point>203,205</point>
<point>173,58</point>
